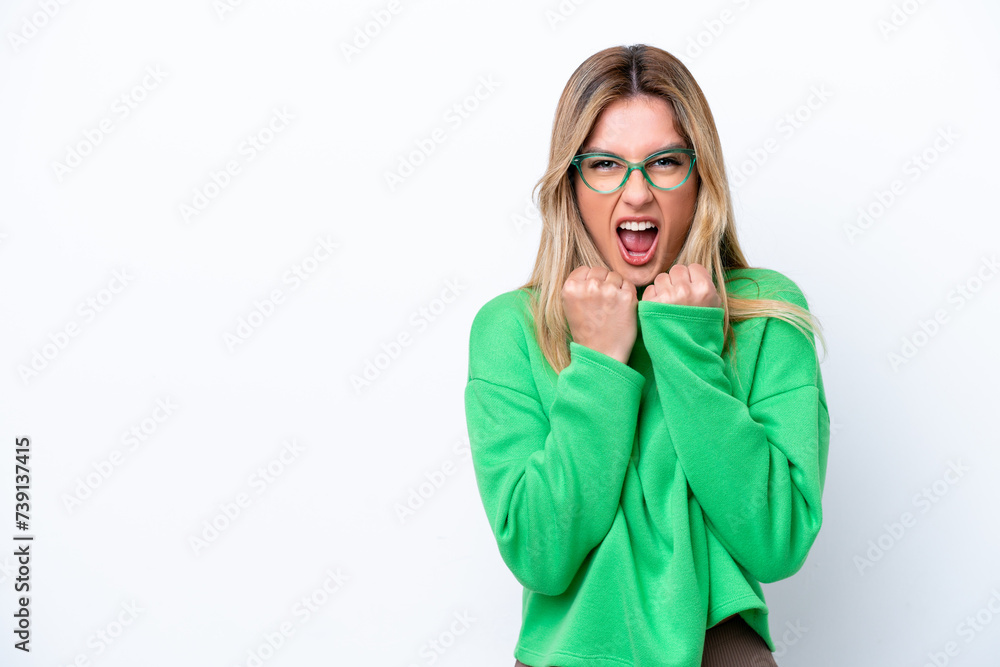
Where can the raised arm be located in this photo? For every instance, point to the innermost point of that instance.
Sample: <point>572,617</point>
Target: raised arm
<point>757,468</point>
<point>550,485</point>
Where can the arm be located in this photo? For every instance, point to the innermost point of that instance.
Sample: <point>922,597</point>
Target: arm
<point>550,485</point>
<point>757,468</point>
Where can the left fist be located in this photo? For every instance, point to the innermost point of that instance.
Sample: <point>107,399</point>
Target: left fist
<point>689,285</point>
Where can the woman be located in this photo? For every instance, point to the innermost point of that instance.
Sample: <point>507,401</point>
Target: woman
<point>646,415</point>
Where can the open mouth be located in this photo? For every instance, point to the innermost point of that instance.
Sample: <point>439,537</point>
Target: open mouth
<point>637,241</point>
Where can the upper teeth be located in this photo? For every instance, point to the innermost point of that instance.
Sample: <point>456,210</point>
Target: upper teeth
<point>636,226</point>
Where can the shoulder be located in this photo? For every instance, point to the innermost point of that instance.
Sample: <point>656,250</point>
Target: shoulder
<point>500,335</point>
<point>505,313</point>
<point>760,283</point>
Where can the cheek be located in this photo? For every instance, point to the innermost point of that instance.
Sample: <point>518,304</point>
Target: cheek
<point>586,204</point>
<point>678,211</point>
<point>594,208</point>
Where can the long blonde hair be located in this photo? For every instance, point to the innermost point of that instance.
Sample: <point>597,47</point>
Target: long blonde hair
<point>616,73</point>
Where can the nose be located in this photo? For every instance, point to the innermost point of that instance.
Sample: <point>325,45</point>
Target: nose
<point>636,191</point>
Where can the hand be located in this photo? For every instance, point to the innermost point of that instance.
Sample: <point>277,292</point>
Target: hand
<point>685,286</point>
<point>601,309</point>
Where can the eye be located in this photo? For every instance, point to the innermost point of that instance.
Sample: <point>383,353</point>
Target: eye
<point>669,162</point>
<point>603,164</point>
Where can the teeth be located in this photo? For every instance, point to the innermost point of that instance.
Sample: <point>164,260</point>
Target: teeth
<point>637,226</point>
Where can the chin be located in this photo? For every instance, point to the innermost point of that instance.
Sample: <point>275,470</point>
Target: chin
<point>639,275</point>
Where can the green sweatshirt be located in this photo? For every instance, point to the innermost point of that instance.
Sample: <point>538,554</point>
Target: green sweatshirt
<point>640,504</point>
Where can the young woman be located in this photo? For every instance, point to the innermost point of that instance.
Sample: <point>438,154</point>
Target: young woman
<point>646,414</point>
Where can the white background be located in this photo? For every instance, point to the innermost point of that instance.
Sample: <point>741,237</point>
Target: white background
<point>460,226</point>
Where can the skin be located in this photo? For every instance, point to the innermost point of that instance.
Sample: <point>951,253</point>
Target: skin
<point>601,304</point>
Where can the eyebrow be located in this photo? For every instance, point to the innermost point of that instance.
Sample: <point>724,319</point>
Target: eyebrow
<point>597,149</point>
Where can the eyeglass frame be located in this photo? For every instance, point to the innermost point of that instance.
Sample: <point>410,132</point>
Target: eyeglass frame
<point>632,166</point>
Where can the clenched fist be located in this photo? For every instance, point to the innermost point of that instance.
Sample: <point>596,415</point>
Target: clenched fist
<point>689,285</point>
<point>601,309</point>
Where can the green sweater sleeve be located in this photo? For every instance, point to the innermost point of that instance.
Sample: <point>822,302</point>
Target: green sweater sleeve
<point>550,481</point>
<point>756,468</point>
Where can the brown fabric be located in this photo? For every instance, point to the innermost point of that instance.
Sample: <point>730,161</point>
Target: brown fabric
<point>731,643</point>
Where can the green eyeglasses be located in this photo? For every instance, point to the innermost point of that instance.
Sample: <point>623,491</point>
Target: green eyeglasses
<point>605,172</point>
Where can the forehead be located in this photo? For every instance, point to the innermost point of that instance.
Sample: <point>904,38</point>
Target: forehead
<point>634,128</point>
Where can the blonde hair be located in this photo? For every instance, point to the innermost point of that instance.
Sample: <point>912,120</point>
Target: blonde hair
<point>616,73</point>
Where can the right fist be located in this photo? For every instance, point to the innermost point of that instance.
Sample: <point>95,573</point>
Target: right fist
<point>601,309</point>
